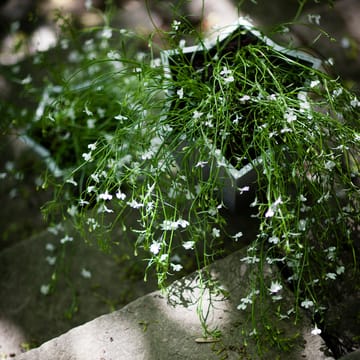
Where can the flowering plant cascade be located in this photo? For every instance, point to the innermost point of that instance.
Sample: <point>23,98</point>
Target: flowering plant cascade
<point>230,106</point>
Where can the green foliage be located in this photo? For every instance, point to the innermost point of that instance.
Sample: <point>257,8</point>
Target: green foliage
<point>135,141</point>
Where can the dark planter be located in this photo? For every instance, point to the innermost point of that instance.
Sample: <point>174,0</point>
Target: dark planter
<point>198,59</point>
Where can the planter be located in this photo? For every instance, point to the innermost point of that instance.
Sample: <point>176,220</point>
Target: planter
<point>199,62</point>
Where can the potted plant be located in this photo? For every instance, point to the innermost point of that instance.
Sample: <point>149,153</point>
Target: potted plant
<point>238,111</point>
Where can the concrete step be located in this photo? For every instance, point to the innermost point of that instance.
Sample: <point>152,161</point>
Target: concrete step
<point>161,327</point>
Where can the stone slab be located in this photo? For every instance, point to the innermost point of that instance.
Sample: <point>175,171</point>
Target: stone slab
<point>166,326</point>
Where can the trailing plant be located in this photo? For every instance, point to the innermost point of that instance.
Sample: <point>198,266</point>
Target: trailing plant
<point>136,143</point>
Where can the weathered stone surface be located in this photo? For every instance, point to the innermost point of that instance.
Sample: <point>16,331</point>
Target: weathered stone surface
<point>151,327</point>
<point>28,318</point>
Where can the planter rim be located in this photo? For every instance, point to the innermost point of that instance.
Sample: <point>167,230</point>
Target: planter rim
<point>226,31</point>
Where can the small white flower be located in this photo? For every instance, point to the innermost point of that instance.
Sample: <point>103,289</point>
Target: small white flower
<point>215,232</point>
<point>105,196</point>
<point>45,289</point>
<point>355,103</point>
<point>330,276</point>
<point>307,304</point>
<point>134,204</point>
<point>50,247</point>
<point>316,331</point>
<point>289,116</point>
<point>92,146</point>
<point>175,25</point>
<point>237,236</point>
<point>90,123</point>
<point>106,33</point>
<point>244,99</point>
<point>164,258</point>
<point>169,225</point>
<point>85,273</point>
<point>87,111</point>
<point>272,97</point>
<point>90,189</point>
<point>201,164</point>
<point>113,55</point>
<point>273,208</point>
<point>155,247</point>
<point>71,181</point>
<point>250,260</point>
<point>314,83</point>
<point>120,195</point>
<point>183,223</point>
<point>51,260</point>
<point>87,156</point>
<point>197,114</point>
<point>329,165</point>
<point>66,239</point>
<point>188,245</point>
<point>176,267</point>
<point>274,240</point>
<point>244,189</point>
<point>340,270</point>
<point>120,117</point>
<point>314,19</point>
<point>275,287</point>
<point>72,210</point>
<point>180,93</point>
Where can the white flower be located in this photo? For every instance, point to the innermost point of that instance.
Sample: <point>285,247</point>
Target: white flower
<point>180,93</point>
<point>164,258</point>
<point>175,25</point>
<point>120,195</point>
<point>329,165</point>
<point>237,236</point>
<point>289,116</point>
<point>274,240</point>
<point>105,196</point>
<point>188,245</point>
<point>176,267</point>
<point>314,83</point>
<point>90,189</point>
<point>316,331</point>
<point>201,164</point>
<point>197,114</point>
<point>340,270</point>
<point>250,259</point>
<point>106,33</point>
<point>45,289</point>
<point>113,55</point>
<point>215,232</point>
<point>275,287</point>
<point>355,103</point>
<point>134,204</point>
<point>314,19</point>
<point>273,208</point>
<point>50,247</point>
<point>51,260</point>
<point>72,210</point>
<point>155,247</point>
<point>307,304</point>
<point>183,223</point>
<point>71,181</point>
<point>244,189</point>
<point>120,117</point>
<point>92,146</point>
<point>85,273</point>
<point>330,276</point>
<point>87,156</point>
<point>244,99</point>
<point>66,239</point>
<point>169,225</point>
